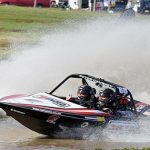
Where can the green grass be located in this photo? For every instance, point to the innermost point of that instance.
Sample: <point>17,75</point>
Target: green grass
<point>21,19</point>
<point>16,21</point>
<point>13,18</point>
<point>26,24</point>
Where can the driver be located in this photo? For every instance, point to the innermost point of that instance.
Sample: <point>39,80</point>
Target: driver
<point>85,96</point>
<point>108,102</point>
<point>103,101</point>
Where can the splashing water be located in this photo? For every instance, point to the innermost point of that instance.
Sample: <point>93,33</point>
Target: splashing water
<point>118,52</point>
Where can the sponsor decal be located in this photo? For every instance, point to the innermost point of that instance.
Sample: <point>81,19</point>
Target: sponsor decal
<point>54,101</point>
<point>126,114</point>
<point>17,111</point>
<point>88,78</point>
<point>52,119</point>
<point>33,100</point>
<point>112,124</point>
<point>84,124</point>
<point>47,111</point>
<point>100,119</point>
<point>59,103</point>
<point>96,118</point>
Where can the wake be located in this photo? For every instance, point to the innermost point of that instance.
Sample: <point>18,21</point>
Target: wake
<point>118,52</point>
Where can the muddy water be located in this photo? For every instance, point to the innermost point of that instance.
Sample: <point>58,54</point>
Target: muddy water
<point>16,137</point>
<point>115,51</point>
<point>12,133</point>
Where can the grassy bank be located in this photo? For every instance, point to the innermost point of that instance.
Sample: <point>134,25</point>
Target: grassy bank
<point>26,24</point>
<point>16,19</point>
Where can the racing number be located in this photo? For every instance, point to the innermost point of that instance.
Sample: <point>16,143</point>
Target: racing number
<point>123,90</point>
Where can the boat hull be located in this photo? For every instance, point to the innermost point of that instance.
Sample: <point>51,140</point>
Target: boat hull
<point>49,124</point>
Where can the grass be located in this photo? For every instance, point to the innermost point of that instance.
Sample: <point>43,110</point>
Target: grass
<point>22,23</point>
<point>25,24</point>
<point>13,18</point>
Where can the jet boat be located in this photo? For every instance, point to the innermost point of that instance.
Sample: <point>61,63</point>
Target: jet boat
<point>50,113</point>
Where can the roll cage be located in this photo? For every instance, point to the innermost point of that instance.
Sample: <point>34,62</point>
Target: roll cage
<point>118,89</point>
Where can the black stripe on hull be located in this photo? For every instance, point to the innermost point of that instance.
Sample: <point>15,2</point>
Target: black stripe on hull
<point>40,122</point>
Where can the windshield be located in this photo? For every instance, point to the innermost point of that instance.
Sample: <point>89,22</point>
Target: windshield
<point>71,85</point>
